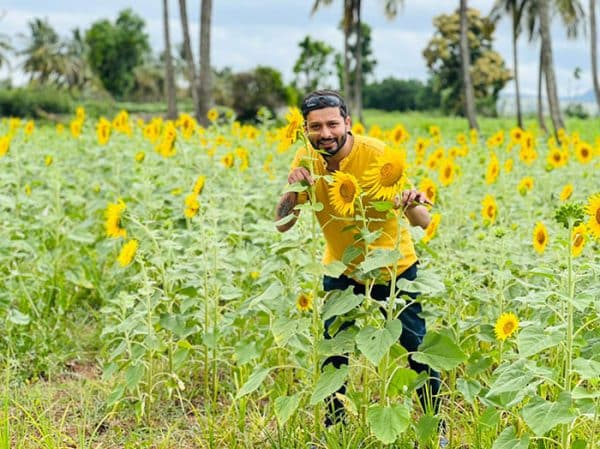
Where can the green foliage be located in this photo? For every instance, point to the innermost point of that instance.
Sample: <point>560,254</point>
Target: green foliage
<point>443,59</point>
<point>115,50</point>
<point>34,102</point>
<point>263,87</point>
<point>313,66</point>
<point>393,94</point>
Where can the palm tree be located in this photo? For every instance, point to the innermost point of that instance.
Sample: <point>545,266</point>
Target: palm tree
<point>594,55</point>
<point>189,57</point>
<point>514,8</point>
<point>205,88</point>
<point>169,72</point>
<point>42,52</point>
<point>465,66</point>
<point>5,48</point>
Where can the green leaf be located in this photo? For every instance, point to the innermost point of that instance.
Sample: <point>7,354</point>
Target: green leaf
<point>379,258</point>
<point>284,328</point>
<point>439,352</point>
<point>375,343</point>
<point>508,440</point>
<point>16,317</point>
<point>351,253</point>
<point>382,206</point>
<point>342,343</point>
<point>534,339</point>
<point>285,407</point>
<point>334,269</point>
<point>586,368</point>
<point>341,301</point>
<point>387,423</point>
<point>403,381</point>
<point>510,378</point>
<point>330,381</point>
<point>427,429</point>
<point>133,375</point>
<point>427,283</point>
<point>469,389</point>
<point>490,418</point>
<point>542,416</point>
<point>254,381</point>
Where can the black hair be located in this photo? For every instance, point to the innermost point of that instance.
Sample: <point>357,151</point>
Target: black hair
<point>324,98</point>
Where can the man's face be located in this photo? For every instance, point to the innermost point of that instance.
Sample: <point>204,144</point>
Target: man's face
<point>327,130</point>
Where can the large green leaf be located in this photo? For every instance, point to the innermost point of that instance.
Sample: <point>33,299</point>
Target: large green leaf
<point>375,343</point>
<point>469,389</point>
<point>534,339</point>
<point>330,381</point>
<point>379,258</point>
<point>428,283</point>
<point>542,416</point>
<point>427,429</point>
<point>586,368</point>
<point>254,381</point>
<point>510,378</point>
<point>334,269</point>
<point>387,423</point>
<point>285,407</point>
<point>342,343</point>
<point>340,302</point>
<point>284,328</point>
<point>439,352</point>
<point>508,440</point>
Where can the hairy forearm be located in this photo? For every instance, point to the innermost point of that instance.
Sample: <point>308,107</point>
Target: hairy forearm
<point>285,207</point>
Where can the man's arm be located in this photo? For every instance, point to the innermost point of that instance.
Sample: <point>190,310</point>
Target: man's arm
<point>285,207</point>
<point>412,203</point>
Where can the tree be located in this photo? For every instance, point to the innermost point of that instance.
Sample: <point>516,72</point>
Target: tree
<point>513,8</point>
<point>205,87</point>
<point>5,48</point>
<point>393,94</point>
<point>465,58</point>
<point>442,56</point>
<point>116,50</point>
<point>262,87</point>
<point>42,52</point>
<point>368,62</point>
<point>169,75</point>
<point>313,65</point>
<point>189,58</point>
<point>594,55</point>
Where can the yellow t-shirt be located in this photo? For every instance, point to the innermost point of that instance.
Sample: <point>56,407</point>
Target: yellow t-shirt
<point>339,233</point>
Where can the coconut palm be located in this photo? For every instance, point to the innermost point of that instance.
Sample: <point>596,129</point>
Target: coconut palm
<point>5,48</point>
<point>42,52</point>
<point>169,72</point>
<point>465,66</point>
<point>594,56</point>
<point>205,87</point>
<point>189,57</point>
<point>513,8</point>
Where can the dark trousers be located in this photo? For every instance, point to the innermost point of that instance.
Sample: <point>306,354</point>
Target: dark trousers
<point>413,331</point>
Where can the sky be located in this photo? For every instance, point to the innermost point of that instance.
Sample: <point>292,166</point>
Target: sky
<point>248,33</point>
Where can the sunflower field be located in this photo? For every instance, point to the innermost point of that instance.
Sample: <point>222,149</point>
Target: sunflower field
<point>149,301</point>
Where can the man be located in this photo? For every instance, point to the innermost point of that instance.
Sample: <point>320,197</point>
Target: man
<point>327,125</point>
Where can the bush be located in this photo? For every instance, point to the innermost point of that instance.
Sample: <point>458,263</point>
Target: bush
<point>34,102</point>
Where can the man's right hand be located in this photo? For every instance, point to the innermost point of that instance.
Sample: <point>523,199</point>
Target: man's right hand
<point>300,174</point>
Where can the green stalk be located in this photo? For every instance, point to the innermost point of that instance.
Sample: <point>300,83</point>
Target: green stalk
<point>566,436</point>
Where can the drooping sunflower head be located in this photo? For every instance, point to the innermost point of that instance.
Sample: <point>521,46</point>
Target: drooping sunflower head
<point>593,210</point>
<point>387,175</point>
<point>114,212</point>
<point>493,169</point>
<point>127,252</point>
<point>294,124</point>
<point>540,237</point>
<point>578,239</point>
<point>428,186</point>
<point>432,228</point>
<point>566,192</point>
<point>525,185</point>
<point>344,192</point>
<point>506,325</point>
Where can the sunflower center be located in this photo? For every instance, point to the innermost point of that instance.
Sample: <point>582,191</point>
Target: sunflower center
<point>584,152</point>
<point>557,157</point>
<point>578,240</point>
<point>598,215</point>
<point>448,172</point>
<point>540,237</point>
<point>390,174</point>
<point>347,192</point>
<point>508,327</point>
<point>490,211</point>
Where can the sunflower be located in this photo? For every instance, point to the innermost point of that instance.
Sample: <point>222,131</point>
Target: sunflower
<point>508,165</point>
<point>432,228</point>
<point>80,113</point>
<point>506,325</point>
<point>447,172</point>
<point>489,209</point>
<point>493,168</point>
<point>516,135</point>
<point>228,160</point>
<point>4,144</point>
<point>428,186</point>
<point>420,146</point>
<point>103,131</point>
<point>387,175</point>
<point>343,193</point>
<point>473,136</point>
<point>192,206</point>
<point>358,129</point>
<point>114,212</point>
<point>29,127</point>
<point>399,135</point>
<point>557,158</point>
<point>566,192</point>
<point>375,131</point>
<point>540,237</point>
<point>461,139</point>
<point>304,302</point>
<point>75,127</point>
<point>212,115</point>
<point>127,253</point>
<point>294,125</point>
<point>48,160</point>
<point>525,185</point>
<point>140,156</point>
<point>584,152</point>
<point>578,239</point>
<point>593,210</point>
<point>199,185</point>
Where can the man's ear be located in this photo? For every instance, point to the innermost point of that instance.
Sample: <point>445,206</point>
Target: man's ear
<point>349,122</point>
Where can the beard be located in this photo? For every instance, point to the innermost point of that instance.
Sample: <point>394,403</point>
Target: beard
<point>330,147</point>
